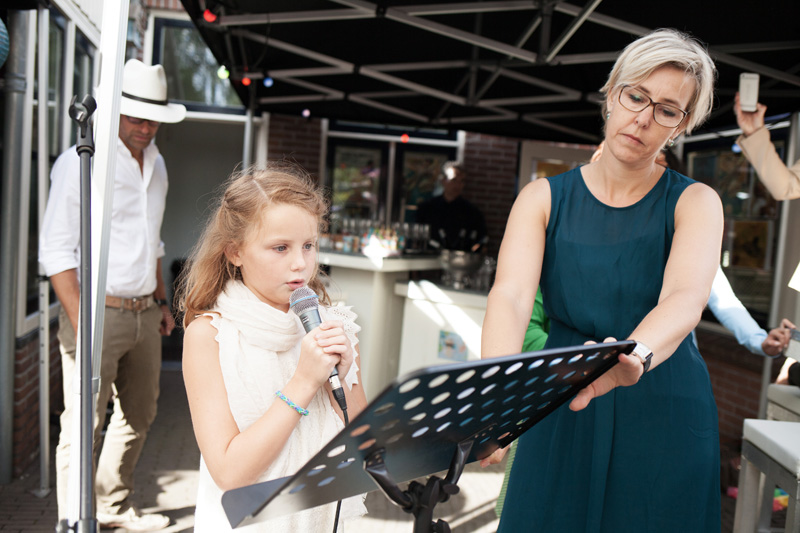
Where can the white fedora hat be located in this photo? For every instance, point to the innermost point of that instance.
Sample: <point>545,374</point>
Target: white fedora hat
<point>144,94</point>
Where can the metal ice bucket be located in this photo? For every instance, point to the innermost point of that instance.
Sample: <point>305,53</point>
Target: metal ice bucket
<point>459,266</point>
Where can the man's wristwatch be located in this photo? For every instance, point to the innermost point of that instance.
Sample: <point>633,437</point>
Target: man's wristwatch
<point>160,301</point>
<point>644,354</point>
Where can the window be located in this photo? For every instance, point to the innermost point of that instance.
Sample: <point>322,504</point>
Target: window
<point>191,68</point>
<point>750,239</point>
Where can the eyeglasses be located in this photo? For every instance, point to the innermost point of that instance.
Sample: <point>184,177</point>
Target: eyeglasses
<point>139,121</point>
<point>635,100</point>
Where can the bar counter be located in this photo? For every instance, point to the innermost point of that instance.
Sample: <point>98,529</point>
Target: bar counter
<point>367,283</point>
<point>440,324</point>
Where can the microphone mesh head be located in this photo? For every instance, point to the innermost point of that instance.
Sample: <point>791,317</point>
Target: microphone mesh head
<point>303,299</point>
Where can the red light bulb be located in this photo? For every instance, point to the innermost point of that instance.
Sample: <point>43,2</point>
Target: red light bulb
<point>209,16</point>
<point>404,138</point>
<point>246,82</point>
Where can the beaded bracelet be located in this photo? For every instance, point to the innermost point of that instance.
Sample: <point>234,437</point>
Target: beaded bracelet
<point>291,404</point>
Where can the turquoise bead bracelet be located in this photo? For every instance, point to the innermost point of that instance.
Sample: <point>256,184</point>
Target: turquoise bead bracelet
<point>291,404</point>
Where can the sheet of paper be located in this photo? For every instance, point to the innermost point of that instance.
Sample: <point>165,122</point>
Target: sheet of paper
<point>794,283</point>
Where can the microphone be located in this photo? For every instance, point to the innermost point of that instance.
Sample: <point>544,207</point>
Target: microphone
<point>305,304</point>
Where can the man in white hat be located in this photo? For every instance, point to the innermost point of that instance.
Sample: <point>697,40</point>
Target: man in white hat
<point>136,313</point>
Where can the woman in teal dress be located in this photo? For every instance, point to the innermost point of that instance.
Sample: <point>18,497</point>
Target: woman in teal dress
<point>623,249</point>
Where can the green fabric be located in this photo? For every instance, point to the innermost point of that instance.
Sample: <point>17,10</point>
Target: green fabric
<point>534,340</point>
<point>538,327</point>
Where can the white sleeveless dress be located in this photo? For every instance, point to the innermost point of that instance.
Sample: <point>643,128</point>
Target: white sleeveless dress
<point>259,347</point>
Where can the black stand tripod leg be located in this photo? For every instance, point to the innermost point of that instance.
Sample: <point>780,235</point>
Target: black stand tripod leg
<point>420,500</point>
<point>376,468</point>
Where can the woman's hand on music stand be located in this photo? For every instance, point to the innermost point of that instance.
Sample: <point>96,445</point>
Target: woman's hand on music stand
<point>624,374</point>
<point>495,458</point>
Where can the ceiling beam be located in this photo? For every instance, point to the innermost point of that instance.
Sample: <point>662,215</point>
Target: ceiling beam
<point>393,80</point>
<point>388,108</point>
<point>538,82</point>
<point>421,65</point>
<point>295,16</point>
<point>576,23</point>
<point>298,99</point>
<point>751,66</point>
<point>333,93</point>
<point>470,7</point>
<point>772,46</point>
<point>308,72</point>
<point>520,42</point>
<point>604,20</point>
<point>402,16</point>
<point>563,129</point>
<point>291,48</point>
<point>523,100</point>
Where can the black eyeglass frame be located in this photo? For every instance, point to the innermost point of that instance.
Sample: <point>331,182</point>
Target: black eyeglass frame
<point>652,103</point>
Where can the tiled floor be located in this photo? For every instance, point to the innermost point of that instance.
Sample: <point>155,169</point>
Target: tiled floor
<point>167,475</point>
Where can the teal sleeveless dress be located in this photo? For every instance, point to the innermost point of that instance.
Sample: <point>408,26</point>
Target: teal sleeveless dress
<point>639,459</point>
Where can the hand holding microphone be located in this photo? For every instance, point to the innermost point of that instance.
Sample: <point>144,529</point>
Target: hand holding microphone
<point>305,304</point>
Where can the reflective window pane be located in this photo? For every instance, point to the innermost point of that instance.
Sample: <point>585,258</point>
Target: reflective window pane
<point>190,66</point>
<point>751,215</point>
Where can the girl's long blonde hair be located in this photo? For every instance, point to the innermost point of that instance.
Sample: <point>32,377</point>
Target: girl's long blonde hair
<point>236,216</point>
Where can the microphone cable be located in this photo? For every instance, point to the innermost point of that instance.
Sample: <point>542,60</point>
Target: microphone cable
<point>340,399</point>
<point>305,304</point>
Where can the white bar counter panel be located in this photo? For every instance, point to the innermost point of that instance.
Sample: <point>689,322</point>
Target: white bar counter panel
<point>440,325</point>
<point>368,285</point>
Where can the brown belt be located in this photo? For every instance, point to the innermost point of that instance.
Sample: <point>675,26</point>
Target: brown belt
<point>137,303</point>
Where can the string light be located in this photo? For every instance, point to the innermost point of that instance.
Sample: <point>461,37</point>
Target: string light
<point>268,81</point>
<point>222,73</point>
<point>209,16</point>
<point>404,138</point>
<point>306,113</point>
<point>246,81</point>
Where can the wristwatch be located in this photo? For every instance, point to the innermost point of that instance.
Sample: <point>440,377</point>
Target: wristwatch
<point>644,354</point>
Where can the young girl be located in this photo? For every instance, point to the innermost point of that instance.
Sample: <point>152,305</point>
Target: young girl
<point>257,384</point>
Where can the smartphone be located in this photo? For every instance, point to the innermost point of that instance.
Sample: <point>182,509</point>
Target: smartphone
<point>748,91</point>
<point>793,349</point>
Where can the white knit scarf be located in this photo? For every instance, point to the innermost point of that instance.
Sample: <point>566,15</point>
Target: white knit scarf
<point>259,347</point>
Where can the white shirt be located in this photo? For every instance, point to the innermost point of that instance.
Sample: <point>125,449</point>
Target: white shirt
<point>732,314</point>
<point>137,212</point>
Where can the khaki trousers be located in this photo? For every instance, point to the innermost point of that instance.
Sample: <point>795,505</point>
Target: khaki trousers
<point>130,370</point>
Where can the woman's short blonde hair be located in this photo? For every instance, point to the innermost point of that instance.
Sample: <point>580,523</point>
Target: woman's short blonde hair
<point>662,48</point>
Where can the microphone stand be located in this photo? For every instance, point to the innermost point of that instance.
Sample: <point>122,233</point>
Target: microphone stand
<point>87,523</point>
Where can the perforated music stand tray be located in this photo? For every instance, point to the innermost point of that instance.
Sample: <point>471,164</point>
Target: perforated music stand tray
<point>430,420</point>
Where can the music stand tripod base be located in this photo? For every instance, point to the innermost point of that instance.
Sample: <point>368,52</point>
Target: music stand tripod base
<point>430,420</point>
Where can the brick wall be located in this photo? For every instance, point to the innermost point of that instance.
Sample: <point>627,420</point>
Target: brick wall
<point>491,164</point>
<point>26,397</point>
<point>295,139</point>
<point>165,4</point>
<point>736,380</point>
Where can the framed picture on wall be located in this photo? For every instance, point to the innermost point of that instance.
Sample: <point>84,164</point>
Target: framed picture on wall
<point>421,172</point>
<point>356,182</point>
<point>751,244</point>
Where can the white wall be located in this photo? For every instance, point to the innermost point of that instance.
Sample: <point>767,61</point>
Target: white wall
<point>199,157</point>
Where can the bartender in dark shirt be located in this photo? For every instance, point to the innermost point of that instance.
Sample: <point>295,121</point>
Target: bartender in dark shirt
<point>454,221</point>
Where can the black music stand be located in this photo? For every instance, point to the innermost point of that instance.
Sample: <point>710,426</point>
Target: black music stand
<point>432,419</point>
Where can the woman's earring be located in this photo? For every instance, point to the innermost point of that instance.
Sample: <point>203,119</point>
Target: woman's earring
<point>671,143</point>
<point>608,115</point>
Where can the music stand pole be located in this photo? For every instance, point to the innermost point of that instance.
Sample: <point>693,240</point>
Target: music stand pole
<point>81,112</point>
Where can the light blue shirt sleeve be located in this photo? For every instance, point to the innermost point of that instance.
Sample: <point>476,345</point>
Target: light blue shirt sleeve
<point>734,316</point>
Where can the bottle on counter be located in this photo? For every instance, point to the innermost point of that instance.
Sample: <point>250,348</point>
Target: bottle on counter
<point>485,275</point>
